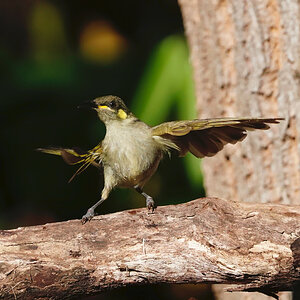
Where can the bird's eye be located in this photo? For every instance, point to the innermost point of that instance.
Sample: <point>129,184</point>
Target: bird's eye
<point>112,104</point>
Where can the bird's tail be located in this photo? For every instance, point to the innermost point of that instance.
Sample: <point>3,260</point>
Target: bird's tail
<point>74,156</point>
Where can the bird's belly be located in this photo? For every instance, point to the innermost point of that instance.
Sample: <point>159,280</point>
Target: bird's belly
<point>132,163</point>
<point>138,177</point>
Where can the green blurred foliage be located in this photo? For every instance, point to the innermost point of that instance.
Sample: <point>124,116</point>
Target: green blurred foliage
<point>166,90</point>
<point>48,39</point>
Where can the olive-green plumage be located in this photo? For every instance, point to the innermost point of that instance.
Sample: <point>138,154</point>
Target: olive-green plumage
<point>131,150</point>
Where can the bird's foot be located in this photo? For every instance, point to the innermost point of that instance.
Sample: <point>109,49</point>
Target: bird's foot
<point>88,216</point>
<point>150,204</point>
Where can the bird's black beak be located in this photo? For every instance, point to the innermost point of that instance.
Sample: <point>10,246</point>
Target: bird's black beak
<point>88,105</point>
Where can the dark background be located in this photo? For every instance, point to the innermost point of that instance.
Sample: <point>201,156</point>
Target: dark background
<point>55,55</point>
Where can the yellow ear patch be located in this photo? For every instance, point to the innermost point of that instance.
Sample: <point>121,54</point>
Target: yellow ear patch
<point>122,114</point>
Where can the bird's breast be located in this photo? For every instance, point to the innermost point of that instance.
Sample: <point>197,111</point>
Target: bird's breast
<point>130,153</point>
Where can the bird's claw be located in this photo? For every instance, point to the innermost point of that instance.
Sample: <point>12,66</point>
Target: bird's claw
<point>150,204</point>
<point>88,216</point>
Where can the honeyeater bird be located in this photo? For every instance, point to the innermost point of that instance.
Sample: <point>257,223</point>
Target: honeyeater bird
<point>131,150</point>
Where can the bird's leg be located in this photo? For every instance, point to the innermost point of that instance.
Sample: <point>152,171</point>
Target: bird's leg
<point>91,212</point>
<point>149,200</point>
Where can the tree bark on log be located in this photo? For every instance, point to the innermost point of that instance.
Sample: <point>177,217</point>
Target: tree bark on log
<point>246,60</point>
<point>254,247</point>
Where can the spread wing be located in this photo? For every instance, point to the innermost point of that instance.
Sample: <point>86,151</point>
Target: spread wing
<point>208,136</point>
<point>74,156</point>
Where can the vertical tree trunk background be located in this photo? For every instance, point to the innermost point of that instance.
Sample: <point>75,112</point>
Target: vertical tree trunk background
<point>245,56</point>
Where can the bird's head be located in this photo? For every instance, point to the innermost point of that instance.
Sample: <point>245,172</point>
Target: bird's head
<point>110,108</point>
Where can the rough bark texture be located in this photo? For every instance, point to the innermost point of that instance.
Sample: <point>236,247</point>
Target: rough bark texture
<point>246,58</point>
<point>246,63</point>
<point>254,246</point>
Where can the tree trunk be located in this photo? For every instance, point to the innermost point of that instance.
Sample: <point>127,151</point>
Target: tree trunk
<point>253,246</point>
<point>246,56</point>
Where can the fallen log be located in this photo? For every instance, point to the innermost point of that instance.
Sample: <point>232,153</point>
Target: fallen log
<point>252,247</point>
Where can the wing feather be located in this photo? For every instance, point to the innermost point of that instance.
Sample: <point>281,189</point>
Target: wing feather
<point>74,156</point>
<point>207,137</point>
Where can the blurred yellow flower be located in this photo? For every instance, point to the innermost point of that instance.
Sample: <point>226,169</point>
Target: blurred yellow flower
<point>100,42</point>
